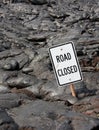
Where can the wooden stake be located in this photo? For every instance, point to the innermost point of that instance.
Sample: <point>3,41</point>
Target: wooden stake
<point>72,90</point>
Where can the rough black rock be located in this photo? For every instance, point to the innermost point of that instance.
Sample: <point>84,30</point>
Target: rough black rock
<point>6,122</point>
<point>28,28</point>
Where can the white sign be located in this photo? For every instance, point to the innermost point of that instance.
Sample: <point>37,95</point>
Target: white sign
<point>65,64</point>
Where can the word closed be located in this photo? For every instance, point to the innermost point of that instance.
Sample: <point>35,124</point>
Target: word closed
<point>65,64</point>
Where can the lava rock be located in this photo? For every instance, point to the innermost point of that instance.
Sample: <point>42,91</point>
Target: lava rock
<point>39,38</point>
<point>38,2</point>
<point>3,88</point>
<point>50,89</point>
<point>6,122</point>
<point>88,106</point>
<point>22,59</point>
<point>10,100</point>
<point>27,70</point>
<point>11,65</point>
<point>10,53</point>
<point>44,115</point>
<point>22,81</point>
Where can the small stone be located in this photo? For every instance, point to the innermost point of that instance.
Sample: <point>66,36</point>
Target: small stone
<point>27,70</point>
<point>7,66</point>
<point>14,64</point>
<point>21,81</point>
<point>11,65</point>
<point>72,100</point>
<point>39,38</point>
<point>3,88</point>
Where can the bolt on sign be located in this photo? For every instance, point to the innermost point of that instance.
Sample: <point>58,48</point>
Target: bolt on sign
<point>65,64</point>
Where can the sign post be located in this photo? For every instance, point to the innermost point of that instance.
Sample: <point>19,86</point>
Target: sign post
<point>65,64</point>
<point>72,90</point>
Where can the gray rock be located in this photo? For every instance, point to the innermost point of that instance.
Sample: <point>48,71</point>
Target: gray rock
<point>36,88</point>
<point>3,88</point>
<point>4,54</point>
<point>6,122</point>
<point>36,113</point>
<point>27,29</point>
<point>7,66</point>
<point>4,75</point>
<point>38,38</point>
<point>27,70</point>
<point>90,83</point>
<point>18,1</point>
<point>88,105</point>
<point>30,52</point>
<point>11,65</point>
<point>51,116</point>
<point>67,99</point>
<point>22,81</point>
<point>38,2</point>
<point>50,89</point>
<point>22,60</point>
<point>5,46</point>
<point>9,53</point>
<point>10,100</point>
<point>41,62</point>
<point>65,125</point>
<point>47,25</point>
<point>86,120</point>
<point>32,25</point>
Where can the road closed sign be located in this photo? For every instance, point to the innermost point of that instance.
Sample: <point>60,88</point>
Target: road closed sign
<point>65,64</point>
